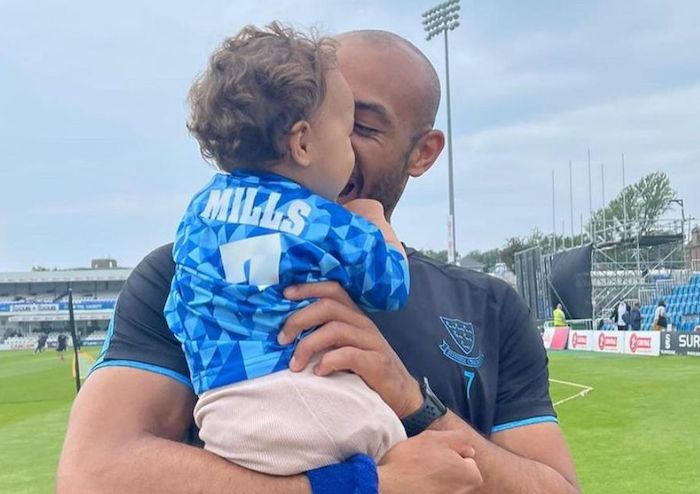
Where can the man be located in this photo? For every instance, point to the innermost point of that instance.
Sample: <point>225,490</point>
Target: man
<point>559,317</point>
<point>469,335</point>
<point>660,321</point>
<point>635,317</point>
<point>61,345</point>
<point>621,316</point>
<point>41,343</point>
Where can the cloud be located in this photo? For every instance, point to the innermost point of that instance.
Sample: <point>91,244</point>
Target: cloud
<point>503,174</point>
<point>95,159</point>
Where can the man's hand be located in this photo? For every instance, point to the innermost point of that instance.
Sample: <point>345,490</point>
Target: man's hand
<point>432,462</point>
<point>352,342</point>
<point>527,459</point>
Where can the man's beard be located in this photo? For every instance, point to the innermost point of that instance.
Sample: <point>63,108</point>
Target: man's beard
<point>389,188</point>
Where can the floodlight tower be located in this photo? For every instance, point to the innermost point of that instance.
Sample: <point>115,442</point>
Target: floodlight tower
<point>73,332</point>
<point>441,19</point>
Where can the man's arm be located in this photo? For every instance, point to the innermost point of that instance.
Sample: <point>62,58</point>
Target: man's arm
<point>520,460</point>
<point>526,459</point>
<point>123,436</point>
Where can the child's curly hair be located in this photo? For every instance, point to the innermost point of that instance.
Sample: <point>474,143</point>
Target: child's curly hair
<point>256,86</point>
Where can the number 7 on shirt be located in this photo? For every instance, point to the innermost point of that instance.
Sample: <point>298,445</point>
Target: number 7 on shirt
<point>254,260</point>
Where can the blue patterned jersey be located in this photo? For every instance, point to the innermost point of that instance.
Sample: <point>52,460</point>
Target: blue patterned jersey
<point>243,239</point>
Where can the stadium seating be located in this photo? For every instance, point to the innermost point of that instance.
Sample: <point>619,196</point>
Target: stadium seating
<point>682,307</point>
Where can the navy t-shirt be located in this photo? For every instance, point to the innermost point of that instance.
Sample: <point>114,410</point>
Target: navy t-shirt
<point>470,334</point>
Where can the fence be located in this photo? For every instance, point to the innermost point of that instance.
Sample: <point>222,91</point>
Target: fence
<point>577,324</point>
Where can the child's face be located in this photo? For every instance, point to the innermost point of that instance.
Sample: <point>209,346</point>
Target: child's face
<point>332,123</point>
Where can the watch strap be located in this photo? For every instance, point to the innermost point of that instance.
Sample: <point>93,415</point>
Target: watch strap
<point>431,410</point>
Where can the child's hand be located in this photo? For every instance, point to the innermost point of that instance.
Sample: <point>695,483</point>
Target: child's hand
<point>369,209</point>
<point>373,211</point>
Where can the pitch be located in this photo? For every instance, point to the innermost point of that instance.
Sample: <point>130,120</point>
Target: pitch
<point>635,431</point>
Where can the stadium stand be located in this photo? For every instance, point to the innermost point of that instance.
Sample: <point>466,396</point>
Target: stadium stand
<point>35,302</point>
<point>682,307</point>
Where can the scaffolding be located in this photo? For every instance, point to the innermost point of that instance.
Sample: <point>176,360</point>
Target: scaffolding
<point>637,260</point>
<point>633,260</point>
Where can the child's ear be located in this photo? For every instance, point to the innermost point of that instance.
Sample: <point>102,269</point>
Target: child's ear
<point>300,143</point>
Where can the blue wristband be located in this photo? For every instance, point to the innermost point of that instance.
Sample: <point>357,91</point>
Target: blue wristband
<point>357,475</point>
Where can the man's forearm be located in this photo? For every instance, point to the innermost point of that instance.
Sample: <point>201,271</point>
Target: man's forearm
<point>505,472</point>
<point>181,469</point>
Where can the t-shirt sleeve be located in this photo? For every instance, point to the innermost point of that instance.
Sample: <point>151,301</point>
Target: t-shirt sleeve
<point>138,335</point>
<point>523,382</point>
<point>376,273</point>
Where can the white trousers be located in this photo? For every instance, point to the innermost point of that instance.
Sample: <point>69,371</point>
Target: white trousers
<point>287,423</point>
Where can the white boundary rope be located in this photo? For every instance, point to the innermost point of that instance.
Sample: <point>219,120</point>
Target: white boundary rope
<point>584,390</point>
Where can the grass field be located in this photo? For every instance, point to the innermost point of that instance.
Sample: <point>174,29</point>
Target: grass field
<point>637,432</point>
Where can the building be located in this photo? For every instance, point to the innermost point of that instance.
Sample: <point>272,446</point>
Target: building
<point>36,301</point>
<point>473,264</point>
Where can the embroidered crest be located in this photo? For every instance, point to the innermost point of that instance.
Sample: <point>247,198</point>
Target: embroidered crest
<point>462,334</point>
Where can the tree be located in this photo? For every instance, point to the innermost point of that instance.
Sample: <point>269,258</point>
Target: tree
<point>488,258</point>
<point>513,246</point>
<point>644,202</point>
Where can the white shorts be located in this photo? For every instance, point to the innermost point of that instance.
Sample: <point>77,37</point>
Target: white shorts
<point>287,422</point>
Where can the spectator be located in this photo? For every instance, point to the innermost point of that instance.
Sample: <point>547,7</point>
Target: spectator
<point>620,316</point>
<point>660,321</point>
<point>41,343</point>
<point>635,317</point>
<point>61,348</point>
<point>559,317</point>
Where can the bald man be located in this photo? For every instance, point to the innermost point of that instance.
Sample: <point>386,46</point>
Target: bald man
<point>461,364</point>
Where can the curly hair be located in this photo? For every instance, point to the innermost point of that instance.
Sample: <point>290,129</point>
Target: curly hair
<point>256,86</point>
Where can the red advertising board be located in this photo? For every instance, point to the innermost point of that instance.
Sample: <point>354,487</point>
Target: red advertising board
<point>609,341</point>
<point>581,340</point>
<point>643,343</point>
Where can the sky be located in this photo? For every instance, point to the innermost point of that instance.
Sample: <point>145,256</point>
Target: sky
<point>95,159</point>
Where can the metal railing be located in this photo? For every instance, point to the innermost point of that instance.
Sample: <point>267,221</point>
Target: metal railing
<point>578,324</point>
<point>647,296</point>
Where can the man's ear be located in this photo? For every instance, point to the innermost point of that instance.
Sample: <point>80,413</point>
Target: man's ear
<point>425,152</point>
<point>300,143</point>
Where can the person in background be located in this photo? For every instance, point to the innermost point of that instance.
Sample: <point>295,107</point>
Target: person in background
<point>41,343</point>
<point>635,317</point>
<point>61,347</point>
<point>620,315</point>
<point>660,321</point>
<point>559,317</point>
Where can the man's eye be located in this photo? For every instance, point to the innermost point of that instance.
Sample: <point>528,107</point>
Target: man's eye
<point>364,130</point>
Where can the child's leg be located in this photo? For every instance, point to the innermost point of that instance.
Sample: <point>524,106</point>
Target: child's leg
<point>288,423</point>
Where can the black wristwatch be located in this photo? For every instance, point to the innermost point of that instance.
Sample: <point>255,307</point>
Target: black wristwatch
<point>431,410</point>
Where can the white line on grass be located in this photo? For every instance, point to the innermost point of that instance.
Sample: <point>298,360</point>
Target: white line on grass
<point>584,391</point>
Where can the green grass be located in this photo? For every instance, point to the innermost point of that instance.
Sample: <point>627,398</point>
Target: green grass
<point>36,392</point>
<point>636,432</point>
